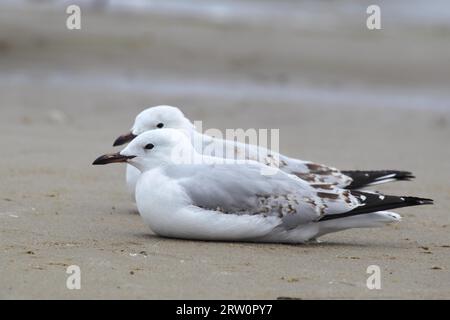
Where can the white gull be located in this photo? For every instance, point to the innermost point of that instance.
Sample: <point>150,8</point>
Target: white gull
<point>179,195</point>
<point>159,117</point>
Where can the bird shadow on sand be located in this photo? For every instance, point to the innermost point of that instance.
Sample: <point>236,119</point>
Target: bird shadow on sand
<point>310,245</point>
<point>127,211</point>
<point>133,211</point>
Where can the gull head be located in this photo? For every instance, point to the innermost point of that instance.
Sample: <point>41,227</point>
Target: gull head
<point>155,118</point>
<point>152,149</point>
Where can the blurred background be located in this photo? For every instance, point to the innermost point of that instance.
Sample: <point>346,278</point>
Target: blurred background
<point>340,94</point>
<point>223,52</point>
<point>294,65</point>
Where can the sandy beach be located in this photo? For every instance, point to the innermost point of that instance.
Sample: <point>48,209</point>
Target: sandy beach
<point>65,97</point>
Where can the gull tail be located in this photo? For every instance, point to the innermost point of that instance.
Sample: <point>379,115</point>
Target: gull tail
<point>373,202</point>
<point>369,220</point>
<point>363,179</point>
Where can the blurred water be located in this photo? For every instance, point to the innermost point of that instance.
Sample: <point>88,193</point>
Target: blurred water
<point>356,71</point>
<point>408,12</point>
<point>238,91</point>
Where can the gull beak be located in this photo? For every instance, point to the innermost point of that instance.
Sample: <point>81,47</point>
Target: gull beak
<point>112,158</point>
<point>125,138</point>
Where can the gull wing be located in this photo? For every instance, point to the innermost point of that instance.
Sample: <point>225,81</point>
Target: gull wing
<point>243,189</point>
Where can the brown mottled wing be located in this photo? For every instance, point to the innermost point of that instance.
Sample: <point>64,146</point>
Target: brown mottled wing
<point>316,173</point>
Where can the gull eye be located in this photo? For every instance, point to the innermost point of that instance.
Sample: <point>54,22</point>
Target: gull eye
<point>160,125</point>
<point>149,146</point>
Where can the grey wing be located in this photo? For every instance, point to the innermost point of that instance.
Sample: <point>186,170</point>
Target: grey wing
<point>242,189</point>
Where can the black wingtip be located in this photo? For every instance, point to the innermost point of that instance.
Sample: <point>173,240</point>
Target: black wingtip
<point>415,201</point>
<point>404,176</point>
<point>363,179</point>
<point>372,202</point>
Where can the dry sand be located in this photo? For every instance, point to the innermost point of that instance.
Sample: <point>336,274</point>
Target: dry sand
<point>58,210</point>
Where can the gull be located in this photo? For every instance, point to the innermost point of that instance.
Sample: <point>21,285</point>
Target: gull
<point>159,117</point>
<point>183,194</point>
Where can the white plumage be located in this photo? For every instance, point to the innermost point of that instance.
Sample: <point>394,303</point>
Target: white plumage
<point>171,117</point>
<point>178,196</point>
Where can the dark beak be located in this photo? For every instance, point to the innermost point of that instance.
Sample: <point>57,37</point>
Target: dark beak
<point>112,158</point>
<point>124,139</point>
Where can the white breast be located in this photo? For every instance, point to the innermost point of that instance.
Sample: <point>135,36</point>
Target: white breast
<point>167,210</point>
<point>132,176</point>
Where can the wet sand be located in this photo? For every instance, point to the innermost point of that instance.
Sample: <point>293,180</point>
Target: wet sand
<point>57,210</point>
